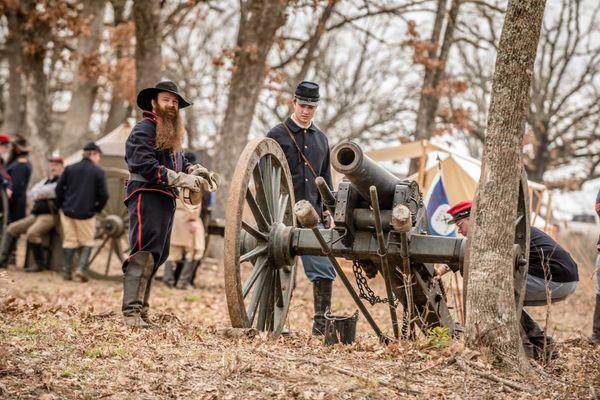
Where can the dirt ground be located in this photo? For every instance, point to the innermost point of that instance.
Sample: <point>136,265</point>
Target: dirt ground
<point>64,340</point>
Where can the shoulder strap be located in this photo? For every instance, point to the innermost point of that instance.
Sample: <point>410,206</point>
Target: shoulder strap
<point>306,160</point>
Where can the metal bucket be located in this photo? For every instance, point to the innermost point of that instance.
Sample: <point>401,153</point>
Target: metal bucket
<point>340,328</point>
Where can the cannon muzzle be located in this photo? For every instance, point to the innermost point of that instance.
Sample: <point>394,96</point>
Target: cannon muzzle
<point>348,158</point>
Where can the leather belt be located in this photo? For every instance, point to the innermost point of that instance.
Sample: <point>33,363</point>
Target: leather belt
<point>137,177</point>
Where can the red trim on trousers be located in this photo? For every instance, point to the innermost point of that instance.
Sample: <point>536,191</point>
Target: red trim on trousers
<point>139,217</point>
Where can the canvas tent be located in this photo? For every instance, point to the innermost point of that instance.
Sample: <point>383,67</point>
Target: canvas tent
<point>113,148</point>
<point>460,174</point>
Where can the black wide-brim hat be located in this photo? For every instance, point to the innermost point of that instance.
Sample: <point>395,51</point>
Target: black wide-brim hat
<point>145,96</point>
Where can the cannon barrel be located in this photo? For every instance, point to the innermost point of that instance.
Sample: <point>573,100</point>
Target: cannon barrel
<point>348,158</point>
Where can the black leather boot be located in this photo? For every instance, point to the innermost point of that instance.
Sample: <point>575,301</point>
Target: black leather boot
<point>185,277</point>
<point>135,282</point>
<point>39,262</point>
<point>145,313</point>
<point>169,275</point>
<point>544,347</point>
<point>8,245</point>
<point>322,301</point>
<point>596,322</point>
<point>68,266</point>
<point>81,272</point>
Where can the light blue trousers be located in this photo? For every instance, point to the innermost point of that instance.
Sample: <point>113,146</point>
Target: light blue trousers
<point>318,267</point>
<point>537,290</point>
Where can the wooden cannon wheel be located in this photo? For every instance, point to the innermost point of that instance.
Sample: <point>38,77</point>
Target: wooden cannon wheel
<point>111,230</point>
<point>258,284</point>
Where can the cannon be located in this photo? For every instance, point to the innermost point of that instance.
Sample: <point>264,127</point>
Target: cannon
<point>380,226</point>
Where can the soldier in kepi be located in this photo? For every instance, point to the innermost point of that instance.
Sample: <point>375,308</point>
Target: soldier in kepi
<point>307,151</point>
<point>81,193</point>
<point>157,169</point>
<point>552,277</point>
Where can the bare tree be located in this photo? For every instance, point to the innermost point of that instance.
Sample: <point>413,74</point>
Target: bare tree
<point>121,96</point>
<point>491,313</point>
<point>13,116</point>
<point>148,60</point>
<point>565,103</point>
<point>85,77</point>
<point>435,61</point>
<point>259,21</point>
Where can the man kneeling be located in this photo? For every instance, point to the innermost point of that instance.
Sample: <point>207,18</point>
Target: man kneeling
<point>552,271</point>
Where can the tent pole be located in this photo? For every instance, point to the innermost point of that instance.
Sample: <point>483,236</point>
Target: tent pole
<point>422,162</point>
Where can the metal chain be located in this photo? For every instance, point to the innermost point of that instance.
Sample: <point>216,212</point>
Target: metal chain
<point>364,290</point>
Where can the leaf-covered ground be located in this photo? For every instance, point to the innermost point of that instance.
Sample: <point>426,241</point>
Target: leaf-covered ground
<point>64,340</point>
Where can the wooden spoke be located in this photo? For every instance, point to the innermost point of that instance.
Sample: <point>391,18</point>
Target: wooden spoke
<point>108,259</point>
<point>283,205</point>
<point>275,189</point>
<point>256,212</point>
<point>278,291</point>
<point>261,197</point>
<point>259,267</point>
<point>263,307</point>
<point>257,251</point>
<point>256,296</point>
<point>258,235</point>
<point>267,176</point>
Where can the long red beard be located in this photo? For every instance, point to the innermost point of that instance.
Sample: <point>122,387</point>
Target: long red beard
<point>169,129</point>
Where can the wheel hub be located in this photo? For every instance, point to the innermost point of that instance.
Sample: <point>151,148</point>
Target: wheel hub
<point>113,225</point>
<point>280,245</point>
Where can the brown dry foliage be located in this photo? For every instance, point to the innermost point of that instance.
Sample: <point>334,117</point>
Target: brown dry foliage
<point>66,340</point>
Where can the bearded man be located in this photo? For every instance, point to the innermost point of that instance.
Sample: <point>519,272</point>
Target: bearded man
<point>157,168</point>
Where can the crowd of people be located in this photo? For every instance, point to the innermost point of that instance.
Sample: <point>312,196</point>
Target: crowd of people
<point>65,204</point>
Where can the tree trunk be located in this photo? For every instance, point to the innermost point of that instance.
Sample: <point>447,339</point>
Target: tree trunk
<point>37,116</point>
<point>15,110</point>
<point>429,101</point>
<point>85,79</point>
<point>119,109</point>
<point>146,16</point>
<point>491,320</point>
<point>118,112</point>
<point>259,21</point>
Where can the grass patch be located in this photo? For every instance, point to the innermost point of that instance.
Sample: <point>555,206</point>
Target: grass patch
<point>93,353</point>
<point>24,330</point>
<point>191,298</point>
<point>65,374</point>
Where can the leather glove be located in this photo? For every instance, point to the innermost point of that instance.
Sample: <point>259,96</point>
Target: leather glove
<point>212,178</point>
<point>183,180</point>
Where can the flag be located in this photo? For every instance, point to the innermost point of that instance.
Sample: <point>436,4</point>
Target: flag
<point>437,207</point>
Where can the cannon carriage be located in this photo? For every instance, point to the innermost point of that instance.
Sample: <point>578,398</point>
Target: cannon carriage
<point>380,226</point>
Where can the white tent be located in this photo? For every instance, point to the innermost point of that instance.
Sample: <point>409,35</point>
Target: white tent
<point>460,174</point>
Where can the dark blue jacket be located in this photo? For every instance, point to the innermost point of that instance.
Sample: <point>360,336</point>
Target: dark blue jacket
<point>142,158</point>
<point>313,143</point>
<point>81,190</point>
<point>20,174</point>
<point>550,261</point>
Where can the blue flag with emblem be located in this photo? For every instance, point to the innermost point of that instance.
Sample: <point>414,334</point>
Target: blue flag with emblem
<point>437,209</point>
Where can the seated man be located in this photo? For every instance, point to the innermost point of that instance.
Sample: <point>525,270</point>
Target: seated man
<point>41,221</point>
<point>552,271</point>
